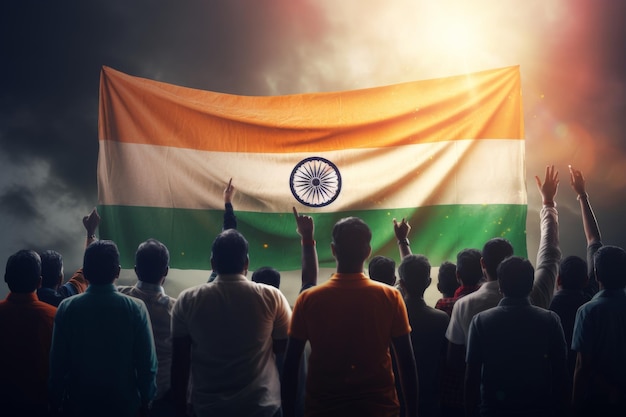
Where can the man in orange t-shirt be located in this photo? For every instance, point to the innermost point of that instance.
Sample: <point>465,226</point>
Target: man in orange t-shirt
<point>25,338</point>
<point>350,322</point>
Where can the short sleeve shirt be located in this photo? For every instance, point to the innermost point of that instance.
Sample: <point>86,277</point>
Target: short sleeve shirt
<point>350,321</point>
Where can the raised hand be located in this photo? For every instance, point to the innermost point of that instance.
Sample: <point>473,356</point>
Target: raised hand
<point>91,222</point>
<point>577,181</point>
<point>229,191</point>
<point>401,229</point>
<point>305,226</point>
<point>549,186</point>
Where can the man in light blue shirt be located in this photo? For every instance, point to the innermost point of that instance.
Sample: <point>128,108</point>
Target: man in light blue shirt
<point>103,360</point>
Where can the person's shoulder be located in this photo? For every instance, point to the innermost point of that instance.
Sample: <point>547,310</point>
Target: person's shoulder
<point>46,309</point>
<point>132,300</point>
<point>438,313</point>
<point>266,289</point>
<point>435,315</point>
<point>126,289</point>
<point>463,302</point>
<point>195,290</point>
<point>75,300</point>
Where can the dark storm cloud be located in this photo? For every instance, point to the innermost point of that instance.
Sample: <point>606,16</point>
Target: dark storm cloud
<point>54,52</point>
<point>18,202</point>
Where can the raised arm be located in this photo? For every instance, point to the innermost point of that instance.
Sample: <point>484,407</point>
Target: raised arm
<point>590,224</point>
<point>592,231</point>
<point>310,265</point>
<point>230,220</point>
<point>401,231</point>
<point>549,254</point>
<point>78,281</point>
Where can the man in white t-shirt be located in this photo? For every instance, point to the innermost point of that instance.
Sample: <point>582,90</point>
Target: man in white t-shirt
<point>227,333</point>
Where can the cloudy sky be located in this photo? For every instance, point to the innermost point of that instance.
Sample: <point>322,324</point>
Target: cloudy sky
<point>571,55</point>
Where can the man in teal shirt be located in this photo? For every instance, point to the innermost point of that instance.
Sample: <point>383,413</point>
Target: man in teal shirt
<point>103,360</point>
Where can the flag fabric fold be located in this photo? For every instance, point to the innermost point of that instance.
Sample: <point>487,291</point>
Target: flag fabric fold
<point>448,154</point>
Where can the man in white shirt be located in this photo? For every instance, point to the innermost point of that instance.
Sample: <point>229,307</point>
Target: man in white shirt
<point>227,332</point>
<point>151,266</point>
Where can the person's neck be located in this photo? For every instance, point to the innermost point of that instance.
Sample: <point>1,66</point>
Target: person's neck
<point>349,268</point>
<point>414,296</point>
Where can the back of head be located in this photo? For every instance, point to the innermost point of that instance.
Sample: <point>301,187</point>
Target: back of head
<point>610,266</point>
<point>267,275</point>
<point>101,263</point>
<point>516,276</point>
<point>468,266</point>
<point>351,240</point>
<point>494,252</point>
<point>51,268</point>
<point>152,261</point>
<point>229,253</point>
<point>414,271</point>
<point>446,278</point>
<point>23,271</point>
<point>382,269</point>
<point>573,273</point>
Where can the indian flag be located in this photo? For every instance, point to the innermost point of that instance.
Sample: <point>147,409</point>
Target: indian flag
<point>447,154</point>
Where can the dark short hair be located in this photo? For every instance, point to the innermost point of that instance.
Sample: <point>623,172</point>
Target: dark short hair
<point>516,276</point>
<point>229,253</point>
<point>468,266</point>
<point>51,268</point>
<point>152,261</point>
<point>267,275</point>
<point>351,239</point>
<point>101,263</point>
<point>610,266</point>
<point>414,271</point>
<point>446,278</point>
<point>494,252</point>
<point>573,273</point>
<point>23,271</point>
<point>382,269</point>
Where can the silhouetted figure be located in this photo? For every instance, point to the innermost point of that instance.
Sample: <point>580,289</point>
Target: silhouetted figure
<point>494,251</point>
<point>267,275</point>
<point>152,260</point>
<point>53,290</point>
<point>350,322</point>
<point>516,353</point>
<point>227,332</point>
<point>428,329</point>
<point>382,269</point>
<point>571,281</point>
<point>600,340</point>
<point>25,338</point>
<point>103,361</point>
<point>469,273</point>
<point>447,284</point>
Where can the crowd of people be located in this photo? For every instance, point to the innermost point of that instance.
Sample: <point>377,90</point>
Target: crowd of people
<point>506,339</point>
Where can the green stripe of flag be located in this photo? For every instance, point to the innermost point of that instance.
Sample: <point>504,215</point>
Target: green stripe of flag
<point>438,232</point>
